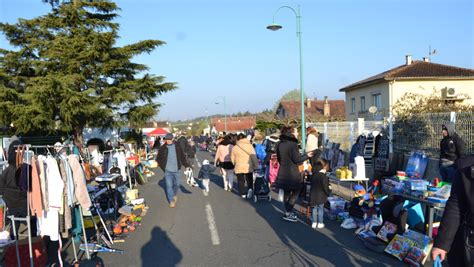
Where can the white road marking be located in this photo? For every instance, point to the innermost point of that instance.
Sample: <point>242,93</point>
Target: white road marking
<point>212,225</point>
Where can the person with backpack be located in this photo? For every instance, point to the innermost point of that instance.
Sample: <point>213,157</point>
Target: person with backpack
<point>289,178</point>
<point>245,160</point>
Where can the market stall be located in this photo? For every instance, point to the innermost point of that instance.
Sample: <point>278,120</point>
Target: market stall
<point>73,202</point>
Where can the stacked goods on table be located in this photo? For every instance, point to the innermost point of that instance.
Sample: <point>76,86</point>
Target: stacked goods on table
<point>343,173</point>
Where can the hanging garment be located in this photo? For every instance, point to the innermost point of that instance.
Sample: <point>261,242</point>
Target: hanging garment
<point>50,225</point>
<point>65,210</point>
<point>43,183</point>
<point>55,184</point>
<point>80,187</point>
<point>69,182</point>
<point>24,177</point>
<point>36,200</point>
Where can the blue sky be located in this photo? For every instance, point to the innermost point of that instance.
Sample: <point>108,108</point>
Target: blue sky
<point>222,48</point>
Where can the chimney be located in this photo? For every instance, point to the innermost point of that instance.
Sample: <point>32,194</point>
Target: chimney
<point>308,102</point>
<point>409,60</point>
<point>426,59</point>
<point>326,108</point>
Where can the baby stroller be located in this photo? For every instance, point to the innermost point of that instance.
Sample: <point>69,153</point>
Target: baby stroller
<point>261,187</point>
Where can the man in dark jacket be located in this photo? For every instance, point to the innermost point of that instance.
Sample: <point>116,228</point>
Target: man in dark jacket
<point>170,159</point>
<point>452,148</point>
<point>457,225</point>
<point>289,178</point>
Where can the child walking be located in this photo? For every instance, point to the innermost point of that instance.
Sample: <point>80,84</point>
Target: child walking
<point>205,174</point>
<point>319,192</point>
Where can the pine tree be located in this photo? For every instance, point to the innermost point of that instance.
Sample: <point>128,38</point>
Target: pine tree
<point>66,72</point>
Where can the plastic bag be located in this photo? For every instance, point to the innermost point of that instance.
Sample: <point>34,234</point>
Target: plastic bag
<point>281,195</point>
<point>416,165</point>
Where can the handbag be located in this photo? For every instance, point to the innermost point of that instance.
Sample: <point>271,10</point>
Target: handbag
<point>468,237</point>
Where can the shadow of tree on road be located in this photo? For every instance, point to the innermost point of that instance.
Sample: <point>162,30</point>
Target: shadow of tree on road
<point>160,250</point>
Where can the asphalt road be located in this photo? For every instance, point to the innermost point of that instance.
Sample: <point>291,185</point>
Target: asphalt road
<point>222,229</point>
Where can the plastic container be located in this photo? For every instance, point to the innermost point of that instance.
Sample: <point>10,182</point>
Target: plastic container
<point>3,208</point>
<point>349,174</point>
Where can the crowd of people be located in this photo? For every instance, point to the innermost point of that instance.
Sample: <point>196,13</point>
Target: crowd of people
<point>236,158</point>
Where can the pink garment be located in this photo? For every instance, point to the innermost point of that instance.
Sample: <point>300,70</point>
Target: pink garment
<point>80,188</point>
<point>223,153</point>
<point>36,200</point>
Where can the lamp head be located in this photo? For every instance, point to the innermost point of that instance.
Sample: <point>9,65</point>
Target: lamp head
<point>274,27</point>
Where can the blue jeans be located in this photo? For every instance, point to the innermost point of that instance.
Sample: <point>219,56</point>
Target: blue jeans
<point>318,213</point>
<point>448,173</point>
<point>172,184</point>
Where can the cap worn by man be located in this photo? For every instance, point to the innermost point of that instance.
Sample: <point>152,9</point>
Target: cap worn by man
<point>168,136</point>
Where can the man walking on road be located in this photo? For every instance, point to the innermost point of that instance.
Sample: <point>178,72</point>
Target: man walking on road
<point>170,159</point>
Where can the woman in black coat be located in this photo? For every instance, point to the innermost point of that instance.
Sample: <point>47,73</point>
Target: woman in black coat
<point>289,178</point>
<point>319,192</point>
<point>457,226</point>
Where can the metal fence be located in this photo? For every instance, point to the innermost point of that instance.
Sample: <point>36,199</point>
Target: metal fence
<point>346,133</point>
<point>420,132</point>
<point>423,132</point>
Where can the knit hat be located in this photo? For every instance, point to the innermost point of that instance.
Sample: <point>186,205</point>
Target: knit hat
<point>205,162</point>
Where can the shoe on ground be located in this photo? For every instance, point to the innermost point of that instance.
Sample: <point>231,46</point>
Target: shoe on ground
<point>244,196</point>
<point>195,184</point>
<point>250,193</point>
<point>172,204</point>
<point>320,225</point>
<point>314,225</point>
<point>293,216</point>
<point>289,218</point>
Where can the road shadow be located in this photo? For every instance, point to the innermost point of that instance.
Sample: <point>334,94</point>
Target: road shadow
<point>337,246</point>
<point>160,250</point>
<point>183,189</point>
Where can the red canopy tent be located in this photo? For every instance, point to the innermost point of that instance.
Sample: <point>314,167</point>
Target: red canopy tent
<point>157,132</point>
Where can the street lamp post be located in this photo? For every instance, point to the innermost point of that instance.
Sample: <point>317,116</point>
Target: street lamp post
<point>225,113</point>
<point>275,27</point>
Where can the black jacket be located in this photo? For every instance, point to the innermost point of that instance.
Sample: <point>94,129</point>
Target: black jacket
<point>319,189</point>
<point>459,209</point>
<point>206,171</point>
<point>452,146</point>
<point>13,196</point>
<point>162,157</point>
<point>183,144</point>
<point>289,157</point>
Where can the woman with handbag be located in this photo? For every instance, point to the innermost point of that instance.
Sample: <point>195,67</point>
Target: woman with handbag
<point>223,160</point>
<point>289,178</point>
<point>244,158</point>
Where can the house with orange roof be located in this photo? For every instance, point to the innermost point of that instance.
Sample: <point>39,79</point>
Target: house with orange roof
<point>380,92</point>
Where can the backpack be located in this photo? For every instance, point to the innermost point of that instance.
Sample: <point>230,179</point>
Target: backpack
<point>274,167</point>
<point>260,151</point>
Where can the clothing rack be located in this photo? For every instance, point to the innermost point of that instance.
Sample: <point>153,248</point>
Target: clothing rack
<point>28,217</point>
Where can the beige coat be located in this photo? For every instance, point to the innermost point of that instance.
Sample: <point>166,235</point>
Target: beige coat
<point>311,142</point>
<point>243,157</point>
